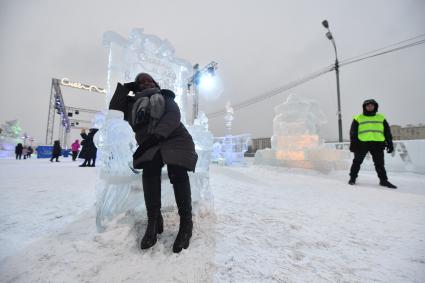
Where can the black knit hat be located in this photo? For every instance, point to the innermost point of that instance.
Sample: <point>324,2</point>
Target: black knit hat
<point>146,74</point>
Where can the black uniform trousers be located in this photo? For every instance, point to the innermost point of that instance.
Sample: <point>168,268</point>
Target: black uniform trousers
<point>378,160</point>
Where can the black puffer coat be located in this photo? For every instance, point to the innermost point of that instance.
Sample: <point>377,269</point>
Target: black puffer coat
<point>57,150</point>
<point>88,150</point>
<point>19,148</point>
<point>176,144</point>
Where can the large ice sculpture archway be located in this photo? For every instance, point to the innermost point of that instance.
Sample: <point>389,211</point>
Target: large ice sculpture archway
<point>118,188</point>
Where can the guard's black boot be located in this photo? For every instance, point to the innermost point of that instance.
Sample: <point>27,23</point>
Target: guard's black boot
<point>184,204</point>
<point>152,193</point>
<point>352,181</point>
<point>387,184</point>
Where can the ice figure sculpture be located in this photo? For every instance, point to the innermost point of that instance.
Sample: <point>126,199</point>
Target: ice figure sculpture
<point>9,137</point>
<point>230,149</point>
<point>296,141</point>
<point>203,138</point>
<point>119,187</point>
<point>228,118</point>
<point>116,185</point>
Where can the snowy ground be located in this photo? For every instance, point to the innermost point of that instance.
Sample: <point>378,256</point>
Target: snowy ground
<point>270,225</point>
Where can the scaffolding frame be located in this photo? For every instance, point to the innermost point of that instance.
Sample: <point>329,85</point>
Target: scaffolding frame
<point>57,105</point>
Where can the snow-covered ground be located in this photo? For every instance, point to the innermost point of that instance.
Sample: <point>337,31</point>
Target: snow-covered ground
<point>269,225</point>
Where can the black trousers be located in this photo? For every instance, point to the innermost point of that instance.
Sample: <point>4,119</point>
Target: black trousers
<point>153,168</point>
<point>55,156</point>
<point>18,156</point>
<point>378,161</point>
<point>74,155</point>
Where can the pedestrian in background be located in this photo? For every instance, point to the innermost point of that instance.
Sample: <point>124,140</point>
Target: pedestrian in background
<point>89,150</point>
<point>25,152</point>
<point>56,152</point>
<point>30,152</point>
<point>75,147</point>
<point>18,151</point>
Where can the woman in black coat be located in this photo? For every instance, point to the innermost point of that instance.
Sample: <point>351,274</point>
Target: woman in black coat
<point>56,152</point>
<point>89,150</point>
<point>155,118</point>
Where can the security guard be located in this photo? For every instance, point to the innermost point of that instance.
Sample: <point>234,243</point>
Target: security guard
<point>370,132</point>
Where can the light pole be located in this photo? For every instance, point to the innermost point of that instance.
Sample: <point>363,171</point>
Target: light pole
<point>195,80</point>
<point>336,67</point>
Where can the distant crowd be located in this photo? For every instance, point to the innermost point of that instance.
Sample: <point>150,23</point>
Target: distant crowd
<point>23,151</point>
<point>88,150</point>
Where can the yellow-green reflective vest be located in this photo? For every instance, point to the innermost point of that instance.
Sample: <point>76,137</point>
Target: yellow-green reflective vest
<point>371,128</point>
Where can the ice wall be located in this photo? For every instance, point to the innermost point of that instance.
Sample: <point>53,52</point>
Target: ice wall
<point>408,156</point>
<point>230,150</point>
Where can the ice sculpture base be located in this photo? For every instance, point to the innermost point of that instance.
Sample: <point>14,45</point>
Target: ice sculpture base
<point>129,199</point>
<point>319,159</point>
<point>408,156</point>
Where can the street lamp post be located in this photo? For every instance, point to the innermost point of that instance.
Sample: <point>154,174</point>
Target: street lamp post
<point>336,67</point>
<point>195,80</point>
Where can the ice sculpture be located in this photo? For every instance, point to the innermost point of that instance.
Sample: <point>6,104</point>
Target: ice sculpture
<point>116,185</point>
<point>119,187</point>
<point>296,141</point>
<point>229,150</point>
<point>9,137</point>
<point>203,138</point>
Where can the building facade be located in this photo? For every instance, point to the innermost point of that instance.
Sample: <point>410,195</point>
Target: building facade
<point>410,132</point>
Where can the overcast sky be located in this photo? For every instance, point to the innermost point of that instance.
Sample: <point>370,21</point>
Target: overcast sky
<point>259,45</point>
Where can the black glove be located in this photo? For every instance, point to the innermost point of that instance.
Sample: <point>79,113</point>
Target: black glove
<point>131,87</point>
<point>354,146</point>
<point>390,147</point>
<point>119,99</point>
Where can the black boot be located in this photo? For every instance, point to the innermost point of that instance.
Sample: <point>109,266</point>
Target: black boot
<point>352,181</point>
<point>184,203</point>
<point>84,164</point>
<point>387,184</point>
<point>152,193</point>
<point>155,226</point>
